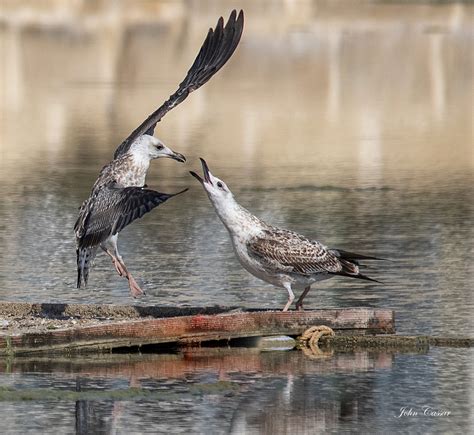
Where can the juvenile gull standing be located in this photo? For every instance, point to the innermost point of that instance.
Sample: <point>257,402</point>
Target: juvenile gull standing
<point>119,196</point>
<point>278,256</point>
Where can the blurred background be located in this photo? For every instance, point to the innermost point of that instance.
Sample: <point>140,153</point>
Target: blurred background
<point>348,121</point>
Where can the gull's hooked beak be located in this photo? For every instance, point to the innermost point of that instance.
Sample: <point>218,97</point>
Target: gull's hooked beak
<point>205,170</point>
<point>177,156</point>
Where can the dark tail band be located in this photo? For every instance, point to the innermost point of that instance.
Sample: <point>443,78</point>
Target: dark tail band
<point>346,255</point>
<point>85,256</point>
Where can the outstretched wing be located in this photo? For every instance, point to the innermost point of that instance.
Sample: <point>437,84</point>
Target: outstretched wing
<point>112,209</point>
<point>216,50</point>
<point>286,251</point>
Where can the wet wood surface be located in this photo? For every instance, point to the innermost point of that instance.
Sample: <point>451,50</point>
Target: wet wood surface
<point>116,326</point>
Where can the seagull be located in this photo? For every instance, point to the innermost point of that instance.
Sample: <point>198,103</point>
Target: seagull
<point>120,195</point>
<point>278,256</point>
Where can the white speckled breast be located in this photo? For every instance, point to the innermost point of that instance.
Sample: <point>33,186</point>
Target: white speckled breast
<point>125,171</point>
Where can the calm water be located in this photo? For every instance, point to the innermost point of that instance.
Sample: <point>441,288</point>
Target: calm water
<point>239,391</point>
<point>350,123</point>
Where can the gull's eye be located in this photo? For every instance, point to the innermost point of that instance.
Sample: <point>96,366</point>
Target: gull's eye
<point>159,147</point>
<point>219,184</point>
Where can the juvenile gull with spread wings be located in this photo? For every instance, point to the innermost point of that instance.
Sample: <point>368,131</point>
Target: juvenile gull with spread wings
<point>119,196</point>
<point>278,256</point>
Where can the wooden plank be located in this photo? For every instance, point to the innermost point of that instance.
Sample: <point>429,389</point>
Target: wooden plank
<point>194,329</point>
<point>102,311</point>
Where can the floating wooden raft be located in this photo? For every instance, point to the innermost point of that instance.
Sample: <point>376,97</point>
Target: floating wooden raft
<point>115,326</point>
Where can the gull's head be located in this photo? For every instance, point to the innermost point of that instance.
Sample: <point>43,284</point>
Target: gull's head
<point>216,189</point>
<point>150,147</point>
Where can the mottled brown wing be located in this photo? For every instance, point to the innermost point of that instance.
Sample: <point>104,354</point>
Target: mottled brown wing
<point>216,50</point>
<point>112,209</point>
<point>293,253</point>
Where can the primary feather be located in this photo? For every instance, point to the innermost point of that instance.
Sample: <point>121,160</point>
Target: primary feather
<point>216,50</point>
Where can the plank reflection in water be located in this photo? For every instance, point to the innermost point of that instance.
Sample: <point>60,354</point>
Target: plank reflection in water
<point>195,360</point>
<point>110,390</point>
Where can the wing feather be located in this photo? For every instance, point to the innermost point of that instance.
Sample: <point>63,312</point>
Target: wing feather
<point>216,50</point>
<point>112,209</point>
<point>290,252</point>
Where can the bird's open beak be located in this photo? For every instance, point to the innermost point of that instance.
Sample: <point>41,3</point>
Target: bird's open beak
<point>177,156</point>
<point>205,170</point>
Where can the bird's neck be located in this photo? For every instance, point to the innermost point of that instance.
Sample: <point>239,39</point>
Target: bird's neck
<point>237,219</point>
<point>133,169</point>
<point>141,160</point>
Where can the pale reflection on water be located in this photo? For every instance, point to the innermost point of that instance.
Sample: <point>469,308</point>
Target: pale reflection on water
<point>348,122</point>
<point>238,391</point>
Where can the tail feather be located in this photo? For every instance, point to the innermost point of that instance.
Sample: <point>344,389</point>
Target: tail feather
<point>350,267</point>
<point>364,277</point>
<point>357,275</point>
<point>346,255</point>
<point>85,257</point>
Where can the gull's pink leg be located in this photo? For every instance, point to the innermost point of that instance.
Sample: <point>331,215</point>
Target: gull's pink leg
<point>120,267</point>
<point>299,302</point>
<point>135,289</point>
<point>116,262</point>
<point>291,296</point>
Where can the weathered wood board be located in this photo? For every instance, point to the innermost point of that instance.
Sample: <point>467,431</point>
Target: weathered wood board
<point>140,325</point>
